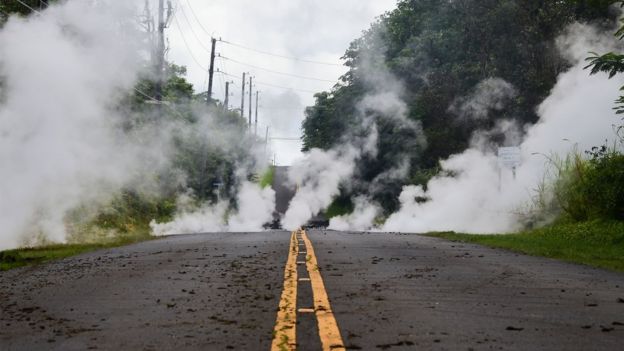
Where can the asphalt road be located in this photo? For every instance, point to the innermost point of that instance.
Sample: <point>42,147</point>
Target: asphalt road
<point>387,292</point>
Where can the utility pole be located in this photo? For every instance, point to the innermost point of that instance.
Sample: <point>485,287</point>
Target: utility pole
<point>256,124</point>
<point>266,142</point>
<point>211,72</point>
<point>250,97</point>
<point>160,51</point>
<point>243,98</point>
<point>226,102</point>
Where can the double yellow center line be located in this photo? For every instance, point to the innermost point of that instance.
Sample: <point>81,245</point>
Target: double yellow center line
<point>285,333</point>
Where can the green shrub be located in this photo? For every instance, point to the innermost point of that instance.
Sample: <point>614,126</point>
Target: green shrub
<point>267,177</point>
<point>593,188</point>
<point>603,186</point>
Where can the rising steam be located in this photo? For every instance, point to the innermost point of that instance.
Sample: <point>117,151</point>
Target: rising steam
<point>64,139</point>
<point>484,197</point>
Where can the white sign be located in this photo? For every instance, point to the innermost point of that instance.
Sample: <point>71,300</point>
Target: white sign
<point>510,157</point>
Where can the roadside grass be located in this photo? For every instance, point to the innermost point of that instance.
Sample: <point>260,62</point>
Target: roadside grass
<point>267,178</point>
<point>30,256</point>
<point>593,243</point>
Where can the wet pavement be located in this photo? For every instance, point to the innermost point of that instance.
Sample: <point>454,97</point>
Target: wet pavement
<point>387,291</point>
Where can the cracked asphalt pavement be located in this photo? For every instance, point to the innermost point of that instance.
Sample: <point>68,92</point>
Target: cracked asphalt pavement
<point>387,291</point>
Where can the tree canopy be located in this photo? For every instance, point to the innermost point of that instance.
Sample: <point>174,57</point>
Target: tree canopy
<point>439,51</point>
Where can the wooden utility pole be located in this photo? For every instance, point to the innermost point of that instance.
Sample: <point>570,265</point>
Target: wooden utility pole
<point>211,71</point>
<point>266,142</point>
<point>250,99</point>
<point>256,123</point>
<point>160,51</point>
<point>243,98</point>
<point>226,102</point>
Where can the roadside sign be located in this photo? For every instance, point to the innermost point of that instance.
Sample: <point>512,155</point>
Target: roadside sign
<point>510,157</point>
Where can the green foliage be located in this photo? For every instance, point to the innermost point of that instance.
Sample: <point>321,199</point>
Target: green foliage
<point>267,178</point>
<point>611,63</point>
<point>440,50</point>
<point>341,206</point>
<point>588,189</point>
<point>595,243</point>
<point>28,256</point>
<point>130,211</point>
<point>603,184</point>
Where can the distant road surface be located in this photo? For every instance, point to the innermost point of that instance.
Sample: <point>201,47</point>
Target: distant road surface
<point>370,292</point>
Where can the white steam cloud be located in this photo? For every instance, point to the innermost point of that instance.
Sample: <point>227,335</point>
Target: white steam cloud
<point>58,146</point>
<point>483,197</point>
<point>489,95</point>
<point>255,209</point>
<point>363,216</point>
<point>63,141</point>
<point>319,176</point>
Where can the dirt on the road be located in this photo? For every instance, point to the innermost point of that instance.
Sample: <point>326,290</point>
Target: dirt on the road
<point>387,292</point>
<point>199,292</point>
<point>396,291</point>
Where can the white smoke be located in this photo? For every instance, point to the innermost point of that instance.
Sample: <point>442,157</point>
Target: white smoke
<point>320,174</point>
<point>62,72</point>
<point>63,143</point>
<point>491,94</point>
<point>482,197</point>
<point>362,218</point>
<point>317,178</point>
<point>255,208</point>
<point>206,219</point>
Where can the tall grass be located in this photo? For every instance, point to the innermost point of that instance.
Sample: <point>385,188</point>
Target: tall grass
<point>591,186</point>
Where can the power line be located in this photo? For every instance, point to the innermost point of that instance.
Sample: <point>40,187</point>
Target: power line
<point>277,72</point>
<point>26,5</point>
<point>193,31</point>
<point>281,56</point>
<point>188,48</point>
<point>154,100</point>
<point>272,85</point>
<point>197,18</point>
<point>145,95</point>
<point>259,51</point>
<point>285,139</point>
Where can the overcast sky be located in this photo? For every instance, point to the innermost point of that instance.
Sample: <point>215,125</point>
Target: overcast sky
<point>314,30</point>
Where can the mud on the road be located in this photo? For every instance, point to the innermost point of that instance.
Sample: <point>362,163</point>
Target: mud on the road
<point>403,292</point>
<point>387,292</point>
<point>210,292</point>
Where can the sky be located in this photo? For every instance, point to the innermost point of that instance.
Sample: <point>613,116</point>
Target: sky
<point>311,30</point>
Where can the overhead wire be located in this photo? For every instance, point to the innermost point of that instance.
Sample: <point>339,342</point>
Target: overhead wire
<point>292,58</point>
<point>233,44</point>
<point>272,85</point>
<point>28,6</point>
<point>201,43</point>
<point>139,91</point>
<point>277,72</point>
<point>197,18</point>
<point>188,48</point>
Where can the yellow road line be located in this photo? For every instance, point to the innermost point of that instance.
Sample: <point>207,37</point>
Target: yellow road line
<point>285,333</point>
<point>328,327</point>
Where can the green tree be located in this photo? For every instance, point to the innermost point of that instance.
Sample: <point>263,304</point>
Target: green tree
<point>440,50</point>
